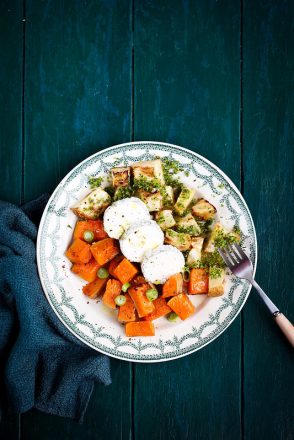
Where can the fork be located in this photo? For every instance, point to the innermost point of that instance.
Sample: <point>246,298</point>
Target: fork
<point>238,262</point>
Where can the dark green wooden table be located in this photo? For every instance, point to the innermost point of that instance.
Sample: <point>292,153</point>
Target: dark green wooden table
<point>213,76</point>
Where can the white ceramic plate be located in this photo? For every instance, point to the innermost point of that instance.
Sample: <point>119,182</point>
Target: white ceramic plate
<point>90,320</point>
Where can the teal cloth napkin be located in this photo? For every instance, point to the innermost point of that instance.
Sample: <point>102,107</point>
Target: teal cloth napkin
<point>42,364</point>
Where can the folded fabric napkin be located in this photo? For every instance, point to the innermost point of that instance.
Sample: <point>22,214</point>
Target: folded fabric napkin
<point>42,364</point>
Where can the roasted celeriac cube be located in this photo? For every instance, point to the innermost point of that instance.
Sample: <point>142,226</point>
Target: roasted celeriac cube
<point>188,224</point>
<point>209,245</point>
<point>179,240</point>
<point>93,205</point>
<point>195,253</point>
<point>216,281</point>
<point>169,198</point>
<point>223,237</point>
<point>152,200</point>
<point>150,169</point>
<point>203,209</point>
<point>120,176</point>
<point>184,200</point>
<point>165,219</point>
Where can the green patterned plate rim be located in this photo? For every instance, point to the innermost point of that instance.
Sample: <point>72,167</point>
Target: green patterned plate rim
<point>89,320</point>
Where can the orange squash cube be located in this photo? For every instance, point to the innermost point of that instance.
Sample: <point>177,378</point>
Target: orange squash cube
<point>140,328</point>
<point>125,271</point>
<point>105,250</point>
<point>79,252</point>
<point>182,306</point>
<point>161,309</point>
<point>127,312</point>
<point>87,271</point>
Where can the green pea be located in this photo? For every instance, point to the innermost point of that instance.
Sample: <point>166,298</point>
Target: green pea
<point>120,300</point>
<point>102,273</point>
<point>125,287</point>
<point>88,236</point>
<point>152,294</point>
<point>172,317</point>
<point>186,274</point>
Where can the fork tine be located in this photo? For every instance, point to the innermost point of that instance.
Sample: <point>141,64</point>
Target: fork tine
<point>238,248</point>
<point>230,256</point>
<point>225,258</point>
<point>234,253</point>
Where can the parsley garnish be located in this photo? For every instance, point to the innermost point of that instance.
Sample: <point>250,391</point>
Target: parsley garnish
<point>95,182</point>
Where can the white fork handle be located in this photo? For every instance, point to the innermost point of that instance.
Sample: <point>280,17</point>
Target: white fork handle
<point>285,325</point>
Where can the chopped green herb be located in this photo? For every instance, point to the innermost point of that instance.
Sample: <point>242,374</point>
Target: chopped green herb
<point>110,190</point>
<point>204,225</point>
<point>208,260</point>
<point>146,184</point>
<point>70,227</point>
<point>222,240</point>
<point>95,182</point>
<point>191,230</point>
<point>170,169</point>
<point>215,272</point>
<point>237,230</point>
<point>123,192</point>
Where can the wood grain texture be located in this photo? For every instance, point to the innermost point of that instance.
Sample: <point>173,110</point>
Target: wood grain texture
<point>187,83</point>
<point>187,80</point>
<point>77,101</point>
<point>78,87</point>
<point>268,117</point>
<point>11,45</point>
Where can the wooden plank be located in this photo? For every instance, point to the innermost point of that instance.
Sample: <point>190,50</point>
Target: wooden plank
<point>78,100</point>
<point>78,85</point>
<point>11,44</point>
<point>187,86</point>
<point>268,109</point>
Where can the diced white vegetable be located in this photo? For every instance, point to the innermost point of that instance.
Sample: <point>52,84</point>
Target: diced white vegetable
<point>150,169</point>
<point>153,201</point>
<point>120,176</point>
<point>178,239</point>
<point>188,224</point>
<point>195,253</point>
<point>203,209</point>
<point>165,219</point>
<point>216,286</point>
<point>184,200</point>
<point>169,196</point>
<point>93,205</point>
<point>209,246</point>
